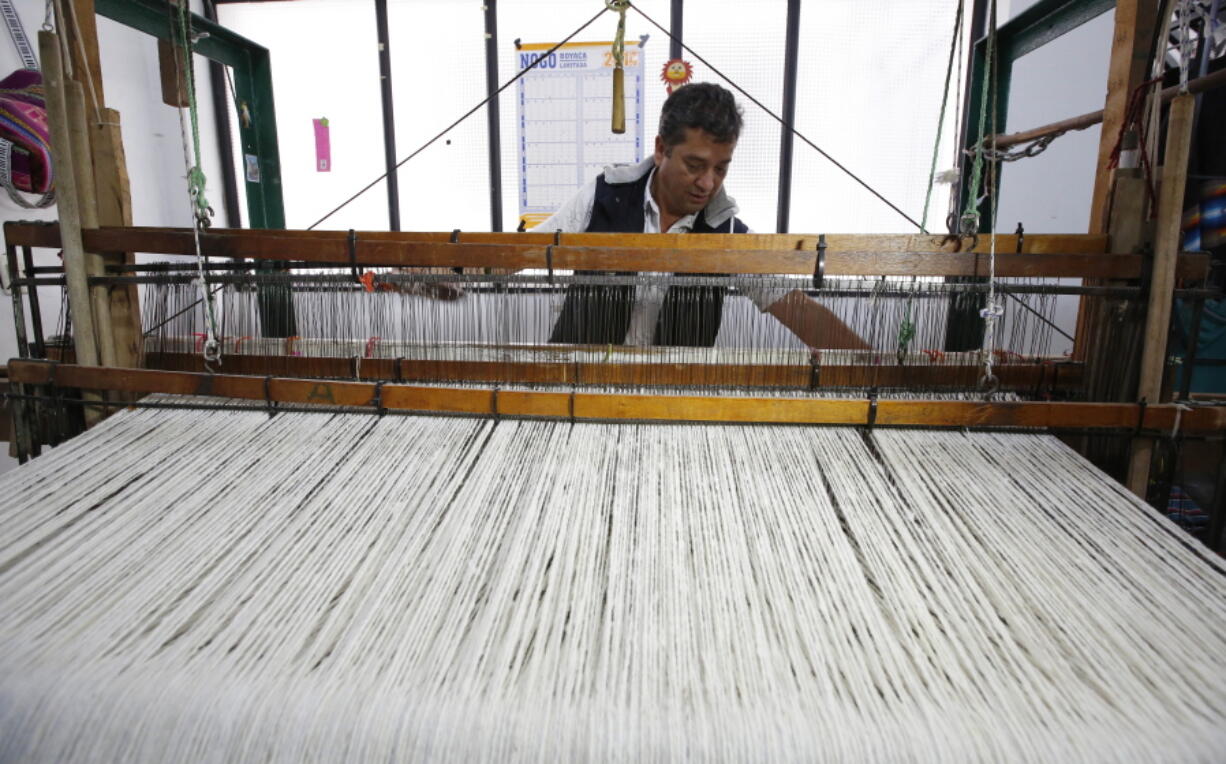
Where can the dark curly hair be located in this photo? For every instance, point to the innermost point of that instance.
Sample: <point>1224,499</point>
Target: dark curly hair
<point>704,105</point>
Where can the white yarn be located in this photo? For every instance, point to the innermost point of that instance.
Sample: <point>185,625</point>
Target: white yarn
<point>219,586</point>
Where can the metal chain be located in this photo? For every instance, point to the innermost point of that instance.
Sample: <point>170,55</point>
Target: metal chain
<point>1032,149</point>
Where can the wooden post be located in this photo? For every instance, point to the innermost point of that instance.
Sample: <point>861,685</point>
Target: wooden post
<point>1134,28</point>
<point>67,199</point>
<point>110,179</point>
<point>1162,284</point>
<point>87,205</point>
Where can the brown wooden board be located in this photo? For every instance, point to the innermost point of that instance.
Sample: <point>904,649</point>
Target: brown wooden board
<point>638,407</point>
<point>1045,376</point>
<point>709,253</point>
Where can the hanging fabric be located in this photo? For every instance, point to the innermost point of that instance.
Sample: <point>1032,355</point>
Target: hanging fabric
<point>25,138</point>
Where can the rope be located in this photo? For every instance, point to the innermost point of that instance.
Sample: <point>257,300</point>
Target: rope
<point>201,211</point>
<point>544,56</point>
<point>992,310</point>
<point>619,40</point>
<point>970,214</point>
<point>786,125</point>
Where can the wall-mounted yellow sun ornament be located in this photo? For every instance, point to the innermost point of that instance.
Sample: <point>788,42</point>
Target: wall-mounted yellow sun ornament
<point>676,73</point>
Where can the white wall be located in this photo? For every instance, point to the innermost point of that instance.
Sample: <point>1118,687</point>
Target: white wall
<point>152,143</point>
<point>1050,193</point>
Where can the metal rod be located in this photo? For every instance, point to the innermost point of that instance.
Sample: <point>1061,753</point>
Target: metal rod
<point>539,284</point>
<point>492,115</point>
<point>19,315</point>
<point>1218,510</point>
<point>389,116</point>
<point>790,58</point>
<point>676,19</point>
<point>21,421</point>
<point>36,314</point>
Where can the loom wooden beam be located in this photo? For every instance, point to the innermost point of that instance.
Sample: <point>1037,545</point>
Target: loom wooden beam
<point>67,198</point>
<point>42,235</point>
<point>873,255</point>
<point>1162,284</point>
<point>614,407</point>
<point>1061,376</point>
<point>1128,67</point>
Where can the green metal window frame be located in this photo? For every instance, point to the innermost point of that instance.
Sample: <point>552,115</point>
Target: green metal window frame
<point>252,68</point>
<point>1031,29</point>
<point>257,129</point>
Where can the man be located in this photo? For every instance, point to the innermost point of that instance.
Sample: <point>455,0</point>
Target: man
<point>678,190</point>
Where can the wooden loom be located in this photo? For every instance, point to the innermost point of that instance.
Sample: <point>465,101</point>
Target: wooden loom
<point>570,382</point>
<point>1046,256</point>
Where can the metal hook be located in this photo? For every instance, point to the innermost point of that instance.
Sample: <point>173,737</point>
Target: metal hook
<point>819,267</point>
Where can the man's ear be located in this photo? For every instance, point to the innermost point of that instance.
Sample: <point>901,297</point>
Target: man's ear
<point>661,151</point>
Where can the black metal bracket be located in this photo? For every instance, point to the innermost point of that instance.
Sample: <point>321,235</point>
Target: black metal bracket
<point>269,404</point>
<point>1147,275</point>
<point>399,373</point>
<point>819,267</point>
<point>378,399</point>
<point>455,239</point>
<point>352,242</point>
<point>494,404</point>
<point>1136,433</point>
<point>557,238</point>
<point>1020,233</point>
<point>872,408</point>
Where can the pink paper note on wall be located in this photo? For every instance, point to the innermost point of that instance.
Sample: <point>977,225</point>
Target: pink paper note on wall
<point>323,146</point>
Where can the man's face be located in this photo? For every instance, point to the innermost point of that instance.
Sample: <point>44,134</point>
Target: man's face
<point>689,173</point>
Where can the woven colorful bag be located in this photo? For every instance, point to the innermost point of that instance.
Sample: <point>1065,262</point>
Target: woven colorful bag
<point>25,138</point>
<point>23,123</point>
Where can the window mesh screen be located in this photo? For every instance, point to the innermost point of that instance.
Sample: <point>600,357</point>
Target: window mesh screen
<point>438,74</point>
<point>324,64</point>
<point>747,44</point>
<point>869,83</point>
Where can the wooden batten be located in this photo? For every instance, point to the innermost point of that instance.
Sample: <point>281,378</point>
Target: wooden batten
<point>1027,376</point>
<point>622,407</point>
<point>645,252</point>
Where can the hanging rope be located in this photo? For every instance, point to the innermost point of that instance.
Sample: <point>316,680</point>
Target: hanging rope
<point>970,213</point>
<point>201,211</point>
<point>992,311</point>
